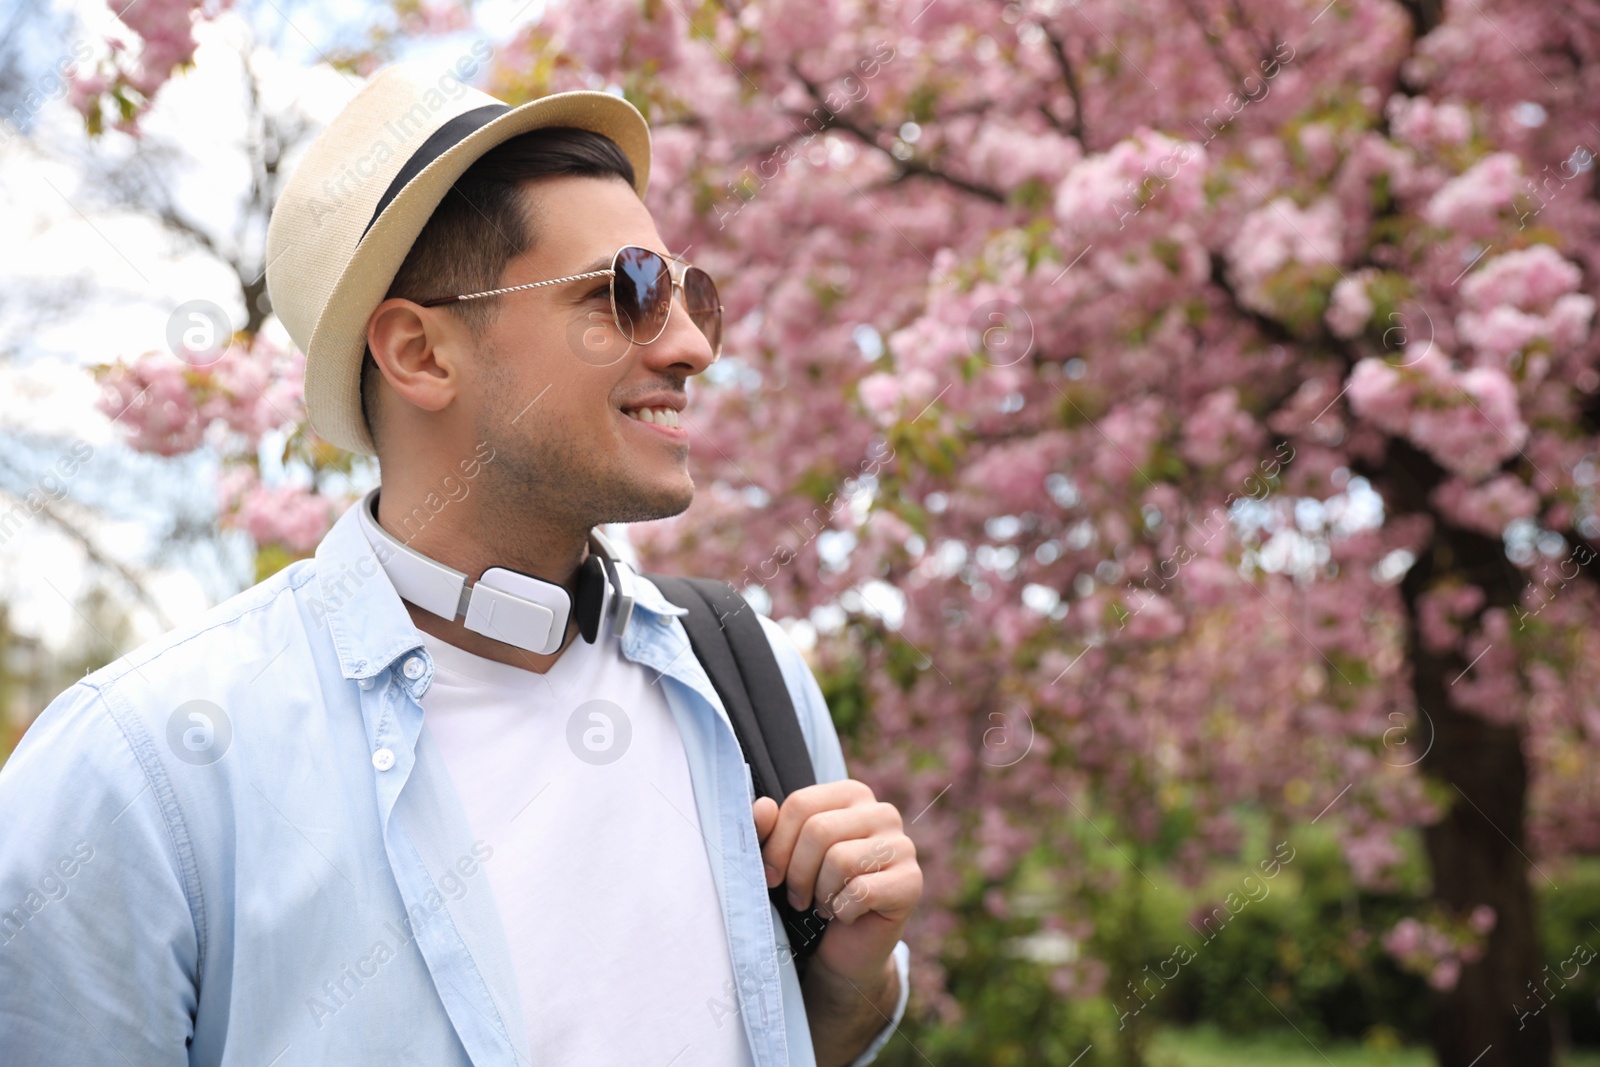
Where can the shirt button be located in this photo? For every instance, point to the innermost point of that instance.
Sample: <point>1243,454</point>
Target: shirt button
<point>365,683</point>
<point>383,759</point>
<point>413,668</point>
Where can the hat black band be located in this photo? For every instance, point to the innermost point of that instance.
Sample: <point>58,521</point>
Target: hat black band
<point>437,144</point>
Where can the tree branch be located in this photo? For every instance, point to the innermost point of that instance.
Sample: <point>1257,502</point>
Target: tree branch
<point>906,167</point>
<point>1070,76</point>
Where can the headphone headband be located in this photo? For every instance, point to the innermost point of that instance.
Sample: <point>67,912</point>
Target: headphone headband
<point>508,605</point>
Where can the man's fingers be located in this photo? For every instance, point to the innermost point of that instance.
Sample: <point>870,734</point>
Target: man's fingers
<point>848,862</point>
<point>766,816</point>
<point>888,893</point>
<point>800,806</point>
<point>820,834</point>
<point>765,812</point>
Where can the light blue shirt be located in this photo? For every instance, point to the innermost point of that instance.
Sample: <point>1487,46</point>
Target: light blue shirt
<point>236,845</point>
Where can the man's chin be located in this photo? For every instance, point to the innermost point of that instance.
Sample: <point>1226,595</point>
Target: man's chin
<point>652,502</point>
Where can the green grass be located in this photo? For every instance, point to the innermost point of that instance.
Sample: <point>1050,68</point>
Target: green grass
<point>1209,1047</point>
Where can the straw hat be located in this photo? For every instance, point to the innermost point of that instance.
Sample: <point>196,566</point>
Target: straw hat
<point>366,187</point>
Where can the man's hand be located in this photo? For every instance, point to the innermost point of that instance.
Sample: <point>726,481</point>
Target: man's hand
<point>839,845</point>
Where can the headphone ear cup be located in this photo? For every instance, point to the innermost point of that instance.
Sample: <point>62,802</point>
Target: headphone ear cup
<point>591,597</point>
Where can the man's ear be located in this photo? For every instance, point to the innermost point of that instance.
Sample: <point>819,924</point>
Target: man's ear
<point>418,350</point>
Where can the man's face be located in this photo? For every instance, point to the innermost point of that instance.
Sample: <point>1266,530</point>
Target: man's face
<point>555,379</point>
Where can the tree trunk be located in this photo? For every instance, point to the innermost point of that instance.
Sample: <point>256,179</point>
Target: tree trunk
<point>1476,854</point>
<point>1478,850</point>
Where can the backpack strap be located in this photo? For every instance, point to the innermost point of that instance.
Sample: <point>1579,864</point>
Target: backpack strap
<point>727,638</point>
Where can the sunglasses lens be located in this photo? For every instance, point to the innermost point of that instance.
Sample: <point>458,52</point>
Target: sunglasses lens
<point>700,296</point>
<point>642,289</point>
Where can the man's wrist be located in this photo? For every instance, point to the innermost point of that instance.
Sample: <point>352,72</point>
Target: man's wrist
<point>845,1013</point>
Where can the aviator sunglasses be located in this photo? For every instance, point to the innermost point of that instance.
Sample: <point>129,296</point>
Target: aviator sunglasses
<point>641,286</point>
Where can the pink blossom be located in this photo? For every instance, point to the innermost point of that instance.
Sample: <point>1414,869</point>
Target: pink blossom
<point>86,88</point>
<point>1320,143</point>
<point>151,401</point>
<point>1278,235</point>
<point>1144,181</point>
<point>1350,307</point>
<point>166,406</point>
<point>289,515</point>
<point>1569,320</point>
<point>1218,430</point>
<point>1370,854</point>
<point>880,394</point>
<point>1379,392</point>
<point>1007,155</point>
<point>1471,201</point>
<point>1489,507</point>
<point>1471,422</point>
<point>1405,938</point>
<point>1502,331</point>
<point>1422,123</point>
<point>1445,974</point>
<point>1529,278</point>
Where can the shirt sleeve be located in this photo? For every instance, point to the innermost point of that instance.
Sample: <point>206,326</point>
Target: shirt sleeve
<point>98,950</point>
<point>827,758</point>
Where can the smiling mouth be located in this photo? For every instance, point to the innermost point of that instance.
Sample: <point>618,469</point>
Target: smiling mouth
<point>654,416</point>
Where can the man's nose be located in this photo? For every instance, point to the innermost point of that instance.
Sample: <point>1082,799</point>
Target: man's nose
<point>682,343</point>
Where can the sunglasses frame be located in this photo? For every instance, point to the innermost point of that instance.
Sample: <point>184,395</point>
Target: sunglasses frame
<point>677,275</point>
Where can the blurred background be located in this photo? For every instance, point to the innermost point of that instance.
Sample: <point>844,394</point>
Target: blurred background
<point>1170,430</point>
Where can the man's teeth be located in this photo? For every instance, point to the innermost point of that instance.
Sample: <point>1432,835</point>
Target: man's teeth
<point>659,416</point>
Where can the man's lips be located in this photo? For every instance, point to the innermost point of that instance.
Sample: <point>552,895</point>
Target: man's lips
<point>674,433</point>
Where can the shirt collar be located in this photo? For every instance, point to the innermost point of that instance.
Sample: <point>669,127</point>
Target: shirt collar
<point>367,619</point>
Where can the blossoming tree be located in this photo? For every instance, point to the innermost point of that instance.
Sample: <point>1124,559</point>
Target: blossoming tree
<point>1186,406</point>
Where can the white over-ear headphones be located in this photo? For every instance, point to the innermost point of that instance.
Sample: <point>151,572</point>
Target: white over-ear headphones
<point>507,605</point>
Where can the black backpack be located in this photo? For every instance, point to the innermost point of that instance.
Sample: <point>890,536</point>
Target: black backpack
<point>727,638</point>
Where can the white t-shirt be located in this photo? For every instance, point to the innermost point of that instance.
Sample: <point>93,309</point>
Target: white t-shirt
<point>577,779</point>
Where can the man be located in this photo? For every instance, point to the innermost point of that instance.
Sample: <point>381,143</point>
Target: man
<point>508,823</point>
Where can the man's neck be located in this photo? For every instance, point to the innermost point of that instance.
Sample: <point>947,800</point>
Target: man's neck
<point>454,632</point>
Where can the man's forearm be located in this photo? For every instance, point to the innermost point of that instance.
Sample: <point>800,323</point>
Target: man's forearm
<point>844,1016</point>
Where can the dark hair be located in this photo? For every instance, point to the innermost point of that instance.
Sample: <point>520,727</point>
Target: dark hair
<point>484,222</point>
